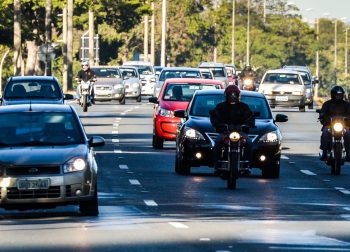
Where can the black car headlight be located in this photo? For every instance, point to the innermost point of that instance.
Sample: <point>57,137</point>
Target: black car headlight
<point>74,165</point>
<point>193,134</point>
<point>270,137</point>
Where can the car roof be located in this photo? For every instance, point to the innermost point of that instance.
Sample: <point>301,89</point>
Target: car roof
<point>33,77</point>
<point>192,80</point>
<point>36,108</point>
<point>180,69</point>
<point>211,64</point>
<point>104,66</point>
<point>138,63</point>
<point>221,91</point>
<point>283,70</point>
<point>135,68</point>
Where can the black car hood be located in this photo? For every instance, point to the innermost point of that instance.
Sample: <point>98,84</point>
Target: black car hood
<point>43,155</point>
<point>202,124</point>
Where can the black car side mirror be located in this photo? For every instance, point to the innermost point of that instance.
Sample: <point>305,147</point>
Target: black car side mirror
<point>96,141</point>
<point>180,113</point>
<point>153,99</point>
<point>281,118</point>
<point>68,97</point>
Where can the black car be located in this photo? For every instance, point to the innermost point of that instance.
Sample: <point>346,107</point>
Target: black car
<point>196,136</point>
<point>33,89</point>
<point>46,158</point>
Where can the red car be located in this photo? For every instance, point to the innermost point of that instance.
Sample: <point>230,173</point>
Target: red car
<point>175,94</point>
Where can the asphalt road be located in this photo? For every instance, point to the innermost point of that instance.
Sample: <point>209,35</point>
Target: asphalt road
<point>146,206</point>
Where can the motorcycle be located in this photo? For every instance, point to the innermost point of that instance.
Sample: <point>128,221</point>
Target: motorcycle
<point>230,164</point>
<point>248,84</point>
<point>336,155</point>
<point>85,90</point>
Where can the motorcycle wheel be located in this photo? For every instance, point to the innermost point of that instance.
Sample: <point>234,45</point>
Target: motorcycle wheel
<point>233,171</point>
<point>84,104</point>
<point>336,165</point>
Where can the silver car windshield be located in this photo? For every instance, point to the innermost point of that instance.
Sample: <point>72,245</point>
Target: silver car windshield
<point>32,89</point>
<point>168,74</point>
<point>39,129</point>
<point>202,104</point>
<point>106,72</point>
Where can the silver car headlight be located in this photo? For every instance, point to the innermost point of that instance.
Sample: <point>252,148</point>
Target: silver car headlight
<point>74,165</point>
<point>273,136</point>
<point>118,86</point>
<point>165,112</point>
<point>193,134</point>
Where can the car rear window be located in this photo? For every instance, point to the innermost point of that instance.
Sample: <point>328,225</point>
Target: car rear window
<point>202,104</point>
<point>106,72</point>
<point>39,129</point>
<point>32,89</point>
<point>282,78</point>
<point>168,74</point>
<point>217,71</point>
<point>185,91</point>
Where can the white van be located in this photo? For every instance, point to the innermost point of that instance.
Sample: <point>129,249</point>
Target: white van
<point>147,76</point>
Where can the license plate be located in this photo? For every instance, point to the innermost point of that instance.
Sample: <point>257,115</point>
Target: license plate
<point>102,92</point>
<point>25,184</point>
<point>281,98</point>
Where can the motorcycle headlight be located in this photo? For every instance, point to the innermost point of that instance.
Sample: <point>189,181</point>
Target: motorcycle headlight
<point>193,134</point>
<point>74,165</point>
<point>248,82</point>
<point>269,137</point>
<point>338,127</point>
<point>165,112</point>
<point>118,86</point>
<point>234,136</point>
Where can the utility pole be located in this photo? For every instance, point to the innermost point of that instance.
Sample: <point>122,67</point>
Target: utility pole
<point>162,55</point>
<point>346,52</point>
<point>17,39</point>
<point>335,51</point>
<point>248,33</point>
<point>215,52</point>
<point>145,39</point>
<point>317,56</point>
<point>91,37</point>
<point>264,12</point>
<point>233,33</point>
<point>152,36</point>
<point>48,37</point>
<point>65,66</point>
<point>70,43</point>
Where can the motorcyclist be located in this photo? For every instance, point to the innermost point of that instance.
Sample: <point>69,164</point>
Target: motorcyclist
<point>336,106</point>
<point>85,74</point>
<point>234,113</point>
<point>246,73</point>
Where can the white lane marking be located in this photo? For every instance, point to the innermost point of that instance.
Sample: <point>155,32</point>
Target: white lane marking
<point>115,140</point>
<point>150,203</point>
<point>339,188</point>
<point>204,239</point>
<point>284,157</point>
<point>123,167</point>
<point>118,151</point>
<point>347,208</point>
<point>178,225</point>
<point>345,216</point>
<point>347,192</point>
<point>310,248</point>
<point>123,113</point>
<point>115,125</point>
<point>307,172</point>
<point>308,188</point>
<point>118,118</point>
<point>115,132</point>
<point>134,182</point>
<point>137,107</point>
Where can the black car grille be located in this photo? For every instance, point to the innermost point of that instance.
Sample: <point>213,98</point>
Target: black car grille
<point>51,192</point>
<point>32,170</point>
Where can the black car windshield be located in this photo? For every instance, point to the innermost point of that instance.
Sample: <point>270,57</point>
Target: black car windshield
<point>106,72</point>
<point>168,74</point>
<point>282,78</point>
<point>185,91</point>
<point>202,104</point>
<point>39,129</point>
<point>32,89</point>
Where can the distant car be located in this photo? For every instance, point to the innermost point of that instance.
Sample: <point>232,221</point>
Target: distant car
<point>175,94</point>
<point>46,158</point>
<point>196,136</point>
<point>176,72</point>
<point>33,89</point>
<point>207,73</point>
<point>109,84</point>
<point>157,70</point>
<point>285,88</point>
<point>218,70</point>
<point>132,82</point>
<point>231,74</point>
<point>147,76</point>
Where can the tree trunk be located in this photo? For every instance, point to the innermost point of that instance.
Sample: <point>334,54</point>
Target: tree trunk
<point>32,50</point>
<point>17,40</point>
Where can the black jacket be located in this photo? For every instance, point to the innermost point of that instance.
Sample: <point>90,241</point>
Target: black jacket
<point>86,75</point>
<point>232,114</point>
<point>333,108</point>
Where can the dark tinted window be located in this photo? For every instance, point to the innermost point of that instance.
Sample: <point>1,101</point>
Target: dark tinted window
<point>107,72</point>
<point>168,74</point>
<point>36,129</point>
<point>33,89</point>
<point>184,91</point>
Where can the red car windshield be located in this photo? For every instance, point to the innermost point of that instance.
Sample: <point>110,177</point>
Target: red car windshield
<point>185,91</point>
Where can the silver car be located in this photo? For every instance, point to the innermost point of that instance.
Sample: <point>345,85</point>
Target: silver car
<point>109,85</point>
<point>46,158</point>
<point>132,82</point>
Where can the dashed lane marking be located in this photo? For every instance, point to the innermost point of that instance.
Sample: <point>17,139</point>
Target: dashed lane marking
<point>284,157</point>
<point>134,182</point>
<point>150,203</point>
<point>118,151</point>
<point>308,188</point>
<point>115,132</point>
<point>347,192</point>
<point>123,167</point>
<point>307,172</point>
<point>115,140</point>
<point>204,239</point>
<point>123,113</point>
<point>309,248</point>
<point>178,225</point>
<point>115,125</point>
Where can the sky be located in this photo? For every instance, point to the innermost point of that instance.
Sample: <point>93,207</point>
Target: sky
<point>312,9</point>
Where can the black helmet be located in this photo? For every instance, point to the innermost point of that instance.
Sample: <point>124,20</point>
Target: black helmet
<point>337,93</point>
<point>232,94</point>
